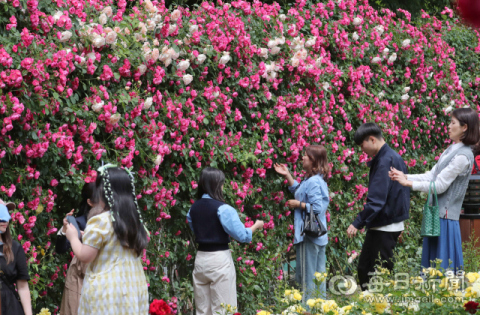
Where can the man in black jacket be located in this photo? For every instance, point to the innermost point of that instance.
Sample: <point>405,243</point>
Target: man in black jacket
<point>387,205</point>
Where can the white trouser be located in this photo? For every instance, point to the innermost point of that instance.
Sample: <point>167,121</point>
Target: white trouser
<point>214,282</point>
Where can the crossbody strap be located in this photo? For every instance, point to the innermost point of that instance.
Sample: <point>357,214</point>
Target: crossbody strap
<point>9,285</point>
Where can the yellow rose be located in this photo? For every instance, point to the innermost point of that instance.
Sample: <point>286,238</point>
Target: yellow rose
<point>438,302</point>
<point>288,292</point>
<point>264,313</point>
<point>39,210</point>
<point>297,296</point>
<point>472,276</point>
<point>329,305</point>
<point>311,303</point>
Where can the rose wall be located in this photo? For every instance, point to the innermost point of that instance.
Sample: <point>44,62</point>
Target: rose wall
<point>237,86</point>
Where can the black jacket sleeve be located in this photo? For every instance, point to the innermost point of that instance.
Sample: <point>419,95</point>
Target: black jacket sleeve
<point>63,245</point>
<point>378,188</point>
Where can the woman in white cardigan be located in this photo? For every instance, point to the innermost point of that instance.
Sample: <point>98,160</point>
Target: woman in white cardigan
<point>451,175</point>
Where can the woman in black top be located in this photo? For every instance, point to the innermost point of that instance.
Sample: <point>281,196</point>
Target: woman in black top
<point>14,270</point>
<point>76,270</point>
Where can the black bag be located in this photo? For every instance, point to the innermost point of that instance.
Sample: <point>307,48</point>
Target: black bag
<point>312,226</point>
<point>9,285</point>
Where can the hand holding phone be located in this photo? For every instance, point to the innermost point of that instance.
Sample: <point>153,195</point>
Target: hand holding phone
<point>71,219</point>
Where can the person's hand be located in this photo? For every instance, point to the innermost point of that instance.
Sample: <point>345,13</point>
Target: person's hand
<point>281,169</point>
<point>65,222</point>
<point>351,231</point>
<point>259,224</point>
<point>396,174</point>
<point>292,203</point>
<point>71,232</point>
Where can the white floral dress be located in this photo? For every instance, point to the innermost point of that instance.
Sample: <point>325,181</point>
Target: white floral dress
<point>115,282</point>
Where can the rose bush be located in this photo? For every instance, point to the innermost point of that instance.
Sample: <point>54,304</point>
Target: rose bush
<point>236,86</point>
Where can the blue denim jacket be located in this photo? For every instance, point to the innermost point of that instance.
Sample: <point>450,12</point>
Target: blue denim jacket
<point>314,192</point>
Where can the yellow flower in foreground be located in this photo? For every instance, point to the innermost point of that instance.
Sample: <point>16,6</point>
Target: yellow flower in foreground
<point>297,296</point>
<point>311,303</point>
<point>288,292</point>
<point>472,276</point>
<point>438,302</point>
<point>381,306</point>
<point>44,311</point>
<point>264,313</point>
<point>329,305</point>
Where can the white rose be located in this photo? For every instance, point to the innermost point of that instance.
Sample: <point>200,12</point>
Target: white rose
<point>98,41</point>
<point>158,160</point>
<point>65,36</point>
<point>357,21</point>
<point>148,103</point>
<point>183,65</point>
<point>406,43</point>
<point>310,42</point>
<point>56,16</point>
<point>380,29</point>
<point>108,11</point>
<point>280,41</point>
<point>381,94</point>
<point>187,79</point>
<point>111,37</point>
<point>263,52</point>
<point>225,58</point>
<point>332,195</point>
<point>318,62</point>
<point>151,25</point>
<point>172,28</point>
<point>392,58</point>
<point>282,17</point>
<point>355,36</point>
<point>82,61</point>
<point>176,14</point>
<point>142,69</point>
<point>376,60</point>
<point>325,85</point>
<point>97,107</point>
<point>272,43</point>
<point>193,28</point>
<point>91,55</point>
<point>295,62</point>
<point>275,50</point>
<point>201,58</point>
<point>444,98</point>
<point>452,103</point>
<point>115,118</point>
<point>405,97</point>
<point>103,19</point>
<point>406,89</point>
<point>385,51</point>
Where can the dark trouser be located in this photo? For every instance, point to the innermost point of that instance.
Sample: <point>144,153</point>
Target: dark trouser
<point>376,242</point>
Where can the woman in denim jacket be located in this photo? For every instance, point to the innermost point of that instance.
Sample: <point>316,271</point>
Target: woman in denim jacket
<point>310,195</point>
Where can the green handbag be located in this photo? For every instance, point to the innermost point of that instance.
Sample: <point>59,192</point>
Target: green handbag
<point>431,216</point>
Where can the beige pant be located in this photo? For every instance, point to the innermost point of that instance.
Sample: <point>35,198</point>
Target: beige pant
<point>214,282</point>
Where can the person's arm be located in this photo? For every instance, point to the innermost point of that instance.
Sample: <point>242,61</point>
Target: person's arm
<point>376,198</point>
<point>95,237</point>
<point>234,227</point>
<point>25,298</point>
<point>189,219</point>
<point>458,165</point>
<point>425,177</point>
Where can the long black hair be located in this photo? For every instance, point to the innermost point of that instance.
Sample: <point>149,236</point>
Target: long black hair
<point>127,225</point>
<point>87,193</point>
<point>211,182</point>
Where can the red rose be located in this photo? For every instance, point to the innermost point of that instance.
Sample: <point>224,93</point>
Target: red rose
<point>237,314</point>
<point>471,307</point>
<point>160,307</point>
<point>470,11</point>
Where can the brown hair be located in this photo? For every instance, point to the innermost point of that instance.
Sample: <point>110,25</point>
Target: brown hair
<point>318,156</point>
<point>7,245</point>
<point>469,117</point>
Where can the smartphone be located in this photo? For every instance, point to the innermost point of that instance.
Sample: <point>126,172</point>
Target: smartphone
<point>71,219</point>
